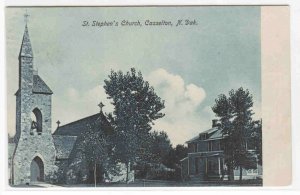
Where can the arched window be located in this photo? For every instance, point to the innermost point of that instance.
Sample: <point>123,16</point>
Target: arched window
<point>36,119</point>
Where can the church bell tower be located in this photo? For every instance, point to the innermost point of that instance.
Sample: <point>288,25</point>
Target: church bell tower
<point>34,155</point>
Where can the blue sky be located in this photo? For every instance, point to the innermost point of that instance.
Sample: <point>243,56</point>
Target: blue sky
<point>188,66</point>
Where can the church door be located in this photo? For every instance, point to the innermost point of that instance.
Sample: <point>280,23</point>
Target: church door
<point>37,170</point>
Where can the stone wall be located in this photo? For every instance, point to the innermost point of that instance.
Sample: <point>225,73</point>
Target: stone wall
<point>29,143</point>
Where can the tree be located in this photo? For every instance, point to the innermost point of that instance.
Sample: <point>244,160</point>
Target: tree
<point>174,156</point>
<point>136,107</point>
<point>181,152</point>
<point>235,113</point>
<point>96,147</point>
<point>160,146</point>
<point>256,139</point>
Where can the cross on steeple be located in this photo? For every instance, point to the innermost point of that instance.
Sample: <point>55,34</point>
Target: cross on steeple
<point>101,105</point>
<point>58,123</point>
<point>26,15</point>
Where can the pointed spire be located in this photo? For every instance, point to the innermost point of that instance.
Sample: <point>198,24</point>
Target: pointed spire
<point>26,49</point>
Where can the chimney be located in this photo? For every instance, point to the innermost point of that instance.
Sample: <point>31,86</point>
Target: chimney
<point>215,123</point>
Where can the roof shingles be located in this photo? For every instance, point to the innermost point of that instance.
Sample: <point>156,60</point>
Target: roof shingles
<point>63,145</point>
<point>66,136</point>
<point>77,127</point>
<point>213,133</point>
<point>39,86</point>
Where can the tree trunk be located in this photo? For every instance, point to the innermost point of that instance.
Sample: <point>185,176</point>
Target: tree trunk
<point>241,173</point>
<point>127,172</point>
<point>95,174</point>
<point>230,173</point>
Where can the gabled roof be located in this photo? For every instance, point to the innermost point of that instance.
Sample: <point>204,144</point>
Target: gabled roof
<point>193,139</point>
<point>209,131</point>
<point>63,145</point>
<point>39,86</point>
<point>77,127</point>
<point>213,133</point>
<point>216,135</point>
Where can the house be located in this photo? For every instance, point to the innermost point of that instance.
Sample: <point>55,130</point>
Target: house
<point>205,160</point>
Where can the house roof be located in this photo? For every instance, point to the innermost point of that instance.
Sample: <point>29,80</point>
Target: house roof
<point>193,139</point>
<point>216,134</point>
<point>39,86</point>
<point>213,133</point>
<point>64,145</point>
<point>77,127</point>
<point>209,131</point>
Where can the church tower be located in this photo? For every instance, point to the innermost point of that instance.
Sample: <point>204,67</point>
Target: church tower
<point>34,155</point>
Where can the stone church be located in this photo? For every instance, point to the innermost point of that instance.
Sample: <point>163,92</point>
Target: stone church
<point>35,154</point>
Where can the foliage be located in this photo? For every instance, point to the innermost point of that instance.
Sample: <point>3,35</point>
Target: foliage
<point>235,114</point>
<point>52,176</point>
<point>174,156</point>
<point>159,147</point>
<point>256,138</point>
<point>96,148</point>
<point>136,107</point>
<point>167,156</point>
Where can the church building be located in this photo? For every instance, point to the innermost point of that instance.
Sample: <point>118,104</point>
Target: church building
<point>35,154</point>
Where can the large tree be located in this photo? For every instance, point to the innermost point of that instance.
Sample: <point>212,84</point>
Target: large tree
<point>235,114</point>
<point>136,107</point>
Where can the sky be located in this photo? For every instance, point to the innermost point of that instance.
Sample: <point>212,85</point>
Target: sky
<point>188,66</point>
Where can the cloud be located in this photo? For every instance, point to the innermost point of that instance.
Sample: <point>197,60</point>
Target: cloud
<point>182,101</point>
<point>75,105</point>
<point>183,119</point>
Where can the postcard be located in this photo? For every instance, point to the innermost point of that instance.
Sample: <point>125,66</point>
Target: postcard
<point>148,96</point>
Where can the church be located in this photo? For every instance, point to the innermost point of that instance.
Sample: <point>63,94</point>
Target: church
<point>35,153</point>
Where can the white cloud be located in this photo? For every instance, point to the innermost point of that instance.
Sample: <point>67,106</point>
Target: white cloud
<point>182,121</point>
<point>76,105</point>
<point>195,93</point>
<point>182,101</point>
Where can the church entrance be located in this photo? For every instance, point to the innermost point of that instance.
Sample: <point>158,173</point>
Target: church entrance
<point>36,170</point>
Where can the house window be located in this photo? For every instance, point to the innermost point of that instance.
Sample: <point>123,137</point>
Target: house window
<point>210,146</point>
<point>197,165</point>
<point>210,165</point>
<point>203,136</point>
<point>192,147</point>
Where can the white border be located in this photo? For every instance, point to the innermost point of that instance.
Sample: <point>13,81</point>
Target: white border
<point>295,76</point>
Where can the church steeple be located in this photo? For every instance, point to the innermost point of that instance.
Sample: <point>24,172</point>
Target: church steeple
<point>26,49</point>
<point>26,63</point>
